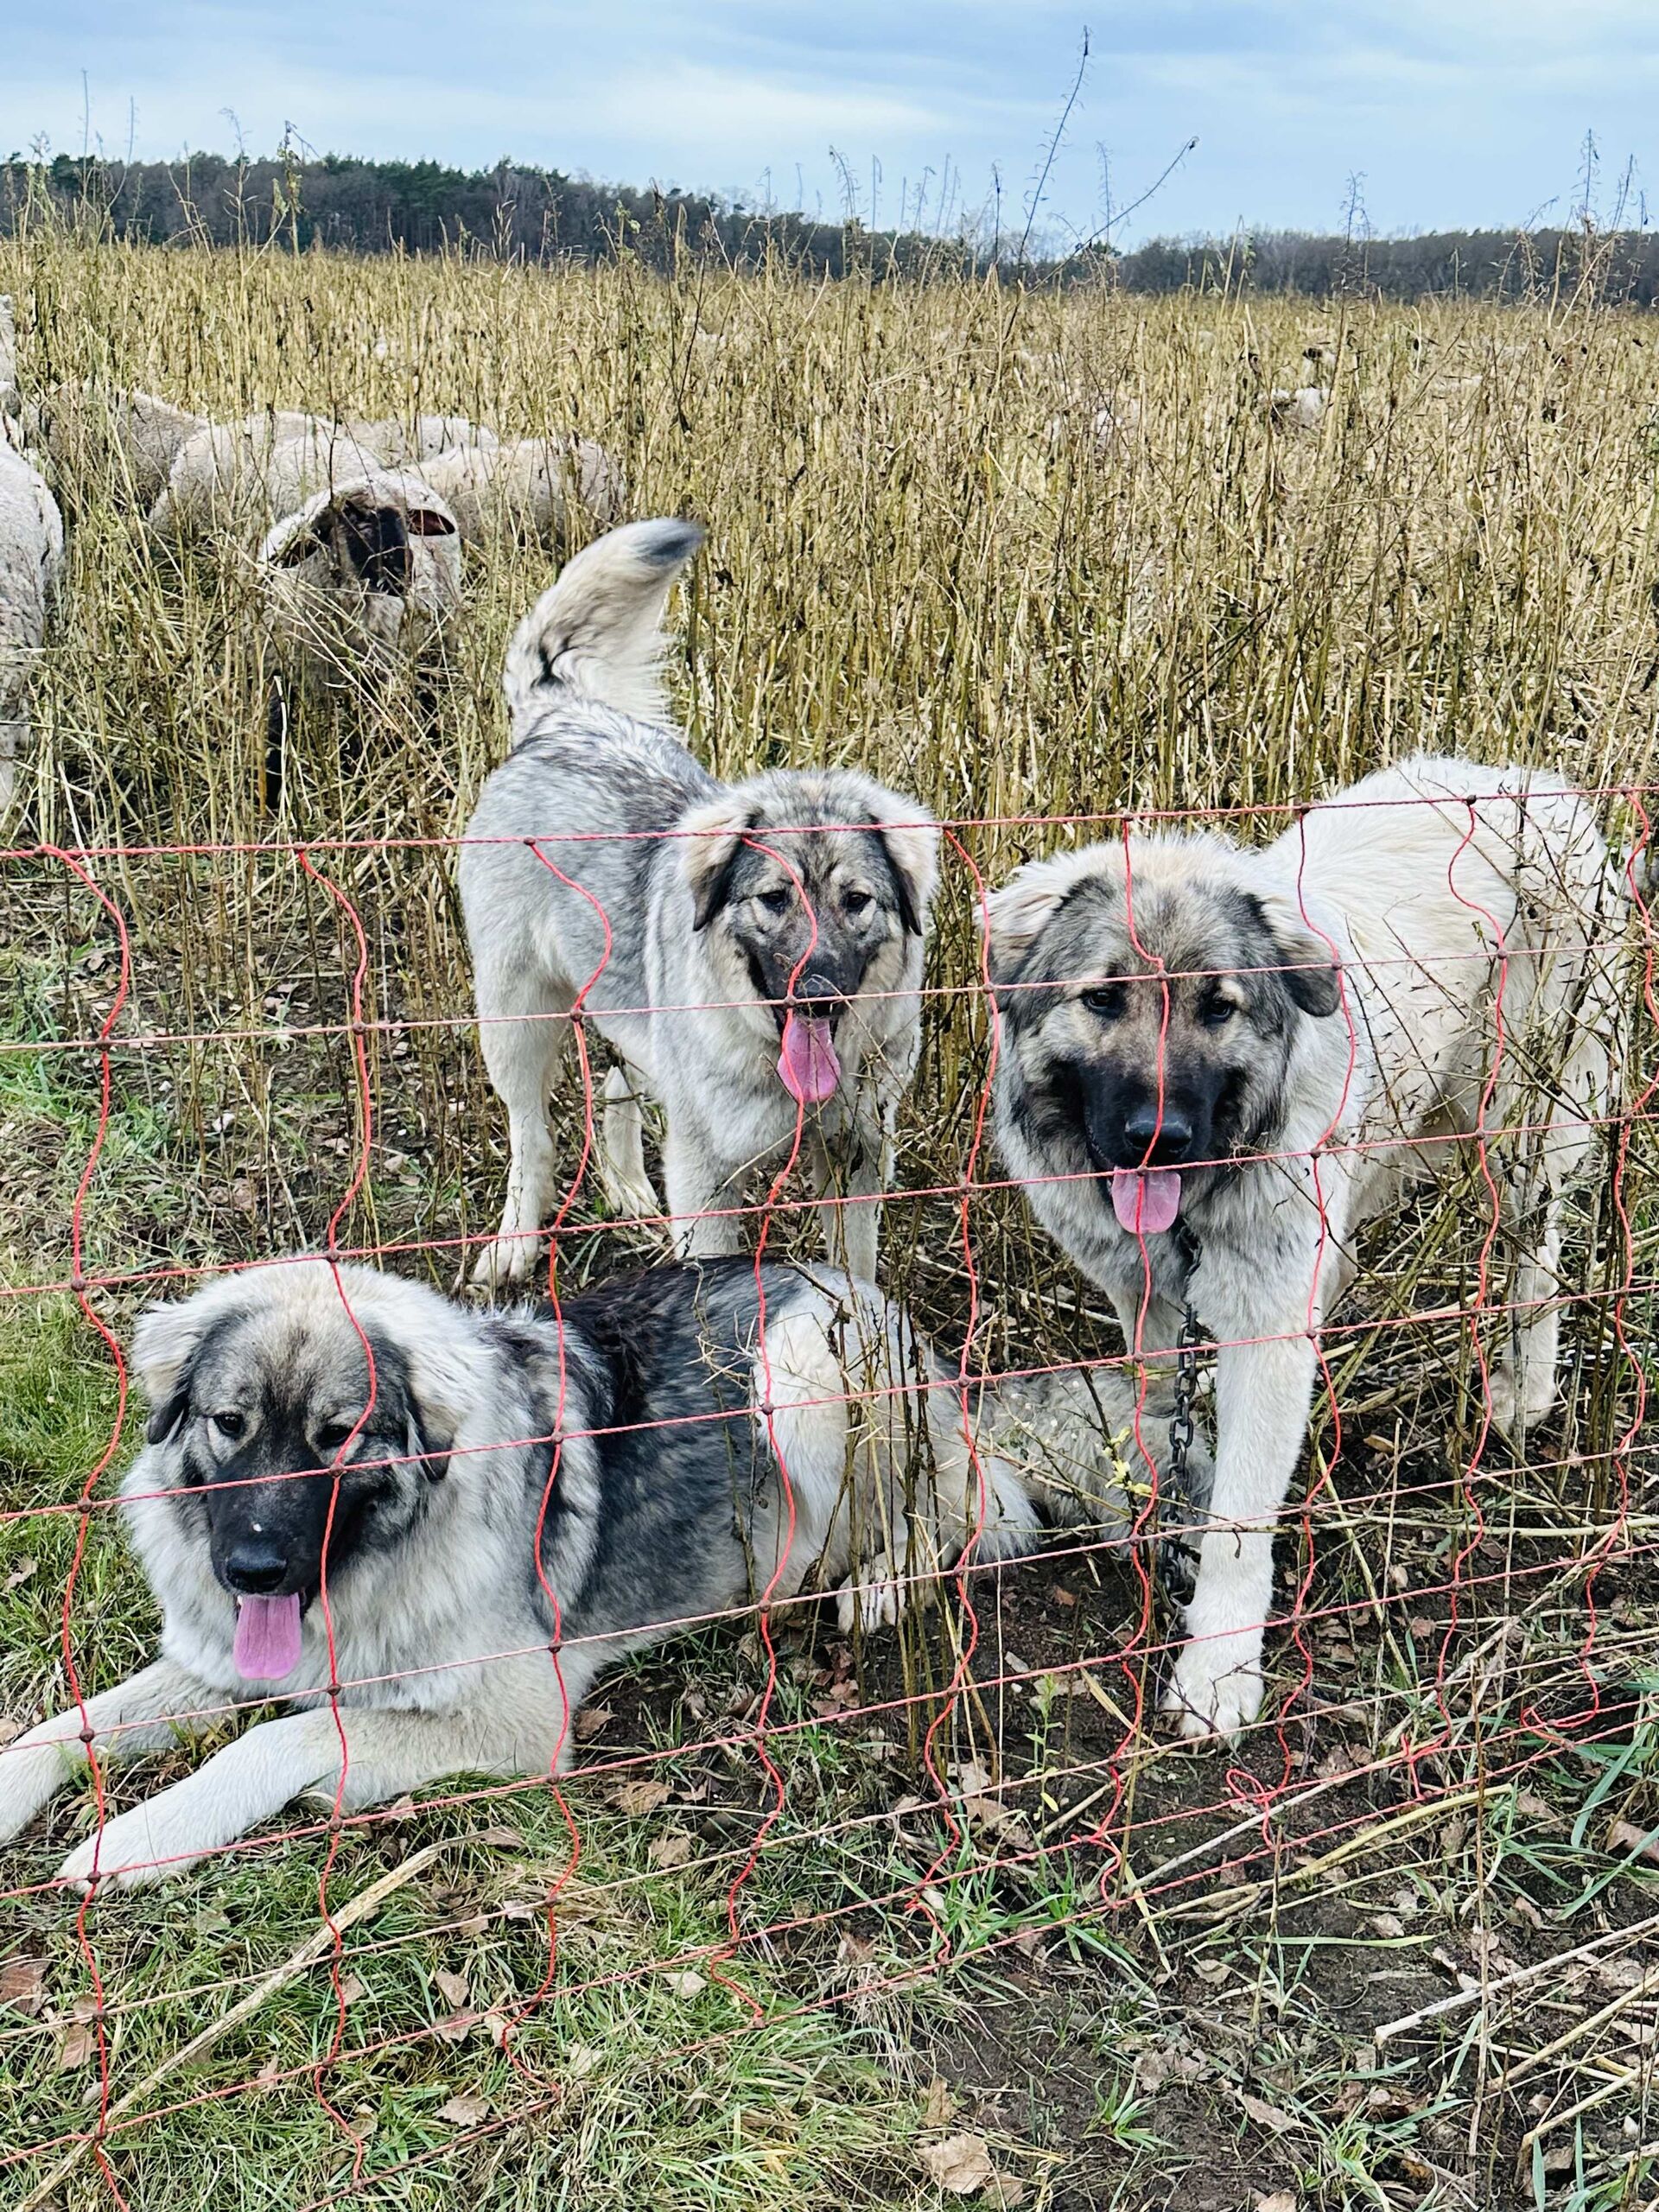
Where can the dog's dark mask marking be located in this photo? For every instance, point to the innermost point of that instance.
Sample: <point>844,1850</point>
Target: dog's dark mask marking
<point>1119,1069</point>
<point>822,901</point>
<point>260,1425</point>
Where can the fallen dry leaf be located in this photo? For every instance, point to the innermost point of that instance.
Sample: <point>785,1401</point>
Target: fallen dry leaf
<point>23,1985</point>
<point>687,1984</point>
<point>1281,2201</point>
<point>455,1987</point>
<point>936,2112</point>
<point>592,1722</point>
<point>636,1797</point>
<point>503,1837</point>
<point>676,1848</point>
<point>465,2112</point>
<point>1266,2115</point>
<point>1387,1923</point>
<point>581,2059</point>
<point>454,2027</point>
<point>352,1989</point>
<point>1624,1836</point>
<point>78,2047</point>
<point>21,1573</point>
<point>962,2163</point>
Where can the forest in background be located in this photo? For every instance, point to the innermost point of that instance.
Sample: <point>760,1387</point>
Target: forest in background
<point>515,212</point>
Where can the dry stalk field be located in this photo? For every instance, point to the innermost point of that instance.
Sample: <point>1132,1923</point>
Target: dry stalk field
<point>1046,559</point>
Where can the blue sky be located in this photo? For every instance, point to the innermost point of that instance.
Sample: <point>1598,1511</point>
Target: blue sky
<point>1453,111</point>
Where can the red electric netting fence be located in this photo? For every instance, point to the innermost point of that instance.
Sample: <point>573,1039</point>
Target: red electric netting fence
<point>1482,1576</point>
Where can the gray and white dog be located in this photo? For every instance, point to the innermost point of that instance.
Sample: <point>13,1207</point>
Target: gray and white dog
<point>752,950</point>
<point>505,1504</point>
<point>1217,1064</point>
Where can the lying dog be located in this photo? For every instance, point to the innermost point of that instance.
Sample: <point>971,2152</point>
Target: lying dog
<point>462,1551</point>
<point>1333,1002</point>
<point>751,951</point>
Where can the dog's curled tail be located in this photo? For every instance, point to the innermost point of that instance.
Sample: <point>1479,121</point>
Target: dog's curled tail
<point>598,631</point>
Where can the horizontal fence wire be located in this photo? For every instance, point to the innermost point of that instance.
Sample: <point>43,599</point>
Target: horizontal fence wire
<point>1518,1601</point>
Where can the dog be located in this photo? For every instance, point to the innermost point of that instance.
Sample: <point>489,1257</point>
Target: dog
<point>1216,1064</point>
<point>485,1510</point>
<point>752,951</point>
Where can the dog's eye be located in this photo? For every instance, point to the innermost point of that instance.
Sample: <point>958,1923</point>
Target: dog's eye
<point>1217,1013</point>
<point>333,1435</point>
<point>1107,1000</point>
<point>230,1425</point>
<point>776,901</point>
<point>856,903</point>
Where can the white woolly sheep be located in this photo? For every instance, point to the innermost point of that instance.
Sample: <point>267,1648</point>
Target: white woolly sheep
<point>96,438</point>
<point>232,475</point>
<point>1302,409</point>
<point>522,490</point>
<point>365,575</point>
<point>31,551</point>
<point>242,476</point>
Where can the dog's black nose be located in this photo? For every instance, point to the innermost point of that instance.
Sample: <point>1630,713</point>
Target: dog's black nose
<point>255,1567</point>
<point>818,999</point>
<point>1155,1139</point>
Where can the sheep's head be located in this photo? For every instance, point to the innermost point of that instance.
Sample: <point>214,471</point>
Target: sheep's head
<point>366,569</point>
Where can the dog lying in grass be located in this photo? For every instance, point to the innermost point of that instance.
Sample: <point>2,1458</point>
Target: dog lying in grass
<point>484,1511</point>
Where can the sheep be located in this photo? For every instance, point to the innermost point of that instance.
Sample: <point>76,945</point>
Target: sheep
<point>363,574</point>
<point>265,465</point>
<point>94,436</point>
<point>521,489</point>
<point>231,475</point>
<point>31,552</point>
<point>1302,409</point>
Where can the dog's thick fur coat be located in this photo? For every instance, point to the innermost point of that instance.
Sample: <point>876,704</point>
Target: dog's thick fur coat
<point>479,1577</point>
<point>1423,959</point>
<point>690,917</point>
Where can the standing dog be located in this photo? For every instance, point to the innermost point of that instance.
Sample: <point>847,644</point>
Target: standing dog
<point>480,1575</point>
<point>751,951</point>
<point>1416,962</point>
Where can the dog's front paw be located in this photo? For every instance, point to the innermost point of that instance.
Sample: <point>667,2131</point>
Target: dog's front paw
<point>1216,1687</point>
<point>506,1260</point>
<point>129,1852</point>
<point>874,1603</point>
<point>30,1776</point>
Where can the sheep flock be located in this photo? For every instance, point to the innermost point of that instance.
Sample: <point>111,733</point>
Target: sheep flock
<point>352,535</point>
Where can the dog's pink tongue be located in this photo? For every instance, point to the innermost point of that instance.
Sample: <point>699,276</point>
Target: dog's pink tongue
<point>1146,1200</point>
<point>808,1067</point>
<point>267,1639</point>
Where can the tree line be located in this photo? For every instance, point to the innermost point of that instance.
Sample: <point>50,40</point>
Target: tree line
<point>516,211</point>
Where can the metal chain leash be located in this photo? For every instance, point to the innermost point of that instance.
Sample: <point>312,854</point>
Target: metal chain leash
<point>1177,1556</point>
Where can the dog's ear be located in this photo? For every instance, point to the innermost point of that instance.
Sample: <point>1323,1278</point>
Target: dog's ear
<point>910,841</point>
<point>448,1384</point>
<point>1018,911</point>
<point>164,1344</point>
<point>713,839</point>
<point>422,1444</point>
<point>1309,968</point>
